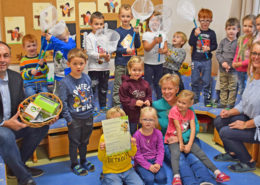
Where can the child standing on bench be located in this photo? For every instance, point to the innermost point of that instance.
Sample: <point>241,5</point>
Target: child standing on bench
<point>118,169</point>
<point>181,119</point>
<point>77,97</point>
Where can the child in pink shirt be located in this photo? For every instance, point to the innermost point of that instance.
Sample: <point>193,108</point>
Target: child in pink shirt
<point>181,119</point>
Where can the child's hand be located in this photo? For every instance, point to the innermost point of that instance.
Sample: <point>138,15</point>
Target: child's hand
<point>34,71</point>
<point>136,29</point>
<point>168,53</point>
<point>197,32</point>
<point>158,40</point>
<point>182,147</point>
<point>107,57</point>
<point>69,123</point>
<point>157,167</point>
<point>129,51</point>
<point>187,148</point>
<point>139,103</point>
<point>160,50</point>
<point>205,48</point>
<point>152,169</point>
<point>226,66</point>
<point>48,36</point>
<point>41,62</point>
<point>147,103</point>
<point>133,141</point>
<point>102,146</point>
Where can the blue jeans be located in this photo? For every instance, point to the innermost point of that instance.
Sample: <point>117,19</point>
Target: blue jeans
<point>201,73</point>
<point>34,88</point>
<point>233,139</point>
<point>9,151</point>
<point>152,74</point>
<point>192,170</point>
<point>241,79</point>
<point>150,178</point>
<point>129,177</point>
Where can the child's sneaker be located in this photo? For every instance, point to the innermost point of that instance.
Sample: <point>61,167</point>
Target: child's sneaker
<point>176,181</point>
<point>79,170</point>
<point>222,177</point>
<point>88,166</point>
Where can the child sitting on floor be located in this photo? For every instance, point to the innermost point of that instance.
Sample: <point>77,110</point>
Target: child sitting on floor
<point>181,119</point>
<point>150,149</point>
<point>117,169</point>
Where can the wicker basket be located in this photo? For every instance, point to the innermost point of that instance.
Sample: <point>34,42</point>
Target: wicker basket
<point>30,99</point>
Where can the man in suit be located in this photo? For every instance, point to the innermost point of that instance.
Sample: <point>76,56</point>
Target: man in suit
<point>11,95</point>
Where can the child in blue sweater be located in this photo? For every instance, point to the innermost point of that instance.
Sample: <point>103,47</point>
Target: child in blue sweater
<point>61,43</point>
<point>77,97</point>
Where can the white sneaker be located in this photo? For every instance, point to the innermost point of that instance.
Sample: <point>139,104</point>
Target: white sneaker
<point>206,183</point>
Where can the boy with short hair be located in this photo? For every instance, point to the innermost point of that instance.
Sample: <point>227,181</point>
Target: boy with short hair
<point>61,43</point>
<point>225,55</point>
<point>124,52</point>
<point>175,56</point>
<point>33,70</point>
<point>201,65</point>
<point>77,97</point>
<point>98,60</point>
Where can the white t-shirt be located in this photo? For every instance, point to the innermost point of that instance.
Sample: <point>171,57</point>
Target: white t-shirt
<point>93,55</point>
<point>151,57</point>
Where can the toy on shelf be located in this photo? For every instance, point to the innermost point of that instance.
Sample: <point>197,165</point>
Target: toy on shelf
<point>40,109</point>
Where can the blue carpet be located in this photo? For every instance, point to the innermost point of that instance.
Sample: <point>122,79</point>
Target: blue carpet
<point>60,174</point>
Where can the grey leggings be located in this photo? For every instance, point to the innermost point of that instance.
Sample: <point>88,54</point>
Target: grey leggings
<point>196,150</point>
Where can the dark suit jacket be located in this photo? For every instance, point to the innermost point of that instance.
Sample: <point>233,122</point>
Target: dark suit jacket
<point>15,83</point>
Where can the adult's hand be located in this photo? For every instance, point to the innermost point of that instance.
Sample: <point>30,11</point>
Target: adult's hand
<point>224,113</point>
<point>14,124</point>
<point>238,124</point>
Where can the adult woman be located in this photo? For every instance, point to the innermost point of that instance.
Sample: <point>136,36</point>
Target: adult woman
<point>242,123</point>
<point>191,169</point>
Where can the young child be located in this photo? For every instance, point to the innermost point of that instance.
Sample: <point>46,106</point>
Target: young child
<point>118,169</point>
<point>134,92</point>
<point>257,21</point>
<point>124,52</point>
<point>241,59</point>
<point>201,65</point>
<point>181,119</point>
<point>98,61</point>
<point>77,97</point>
<point>225,55</point>
<point>153,69</point>
<point>33,70</point>
<point>175,56</point>
<point>61,43</point>
<point>150,149</point>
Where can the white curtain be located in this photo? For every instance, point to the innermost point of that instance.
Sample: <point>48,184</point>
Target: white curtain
<point>240,8</point>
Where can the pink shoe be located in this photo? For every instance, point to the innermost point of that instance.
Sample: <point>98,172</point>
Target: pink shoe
<point>222,177</point>
<point>176,181</point>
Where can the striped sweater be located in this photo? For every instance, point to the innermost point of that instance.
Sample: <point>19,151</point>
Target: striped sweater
<point>26,66</point>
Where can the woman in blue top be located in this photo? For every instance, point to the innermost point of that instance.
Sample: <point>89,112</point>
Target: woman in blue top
<point>192,170</point>
<point>242,123</point>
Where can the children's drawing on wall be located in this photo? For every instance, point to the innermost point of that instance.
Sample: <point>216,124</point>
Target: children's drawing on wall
<point>66,10</point>
<point>37,8</point>
<point>109,6</point>
<point>85,11</point>
<point>14,29</point>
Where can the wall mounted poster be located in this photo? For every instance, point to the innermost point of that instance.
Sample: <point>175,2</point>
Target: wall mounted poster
<point>66,10</point>
<point>109,6</point>
<point>117,135</point>
<point>14,29</point>
<point>37,9</point>
<point>85,11</point>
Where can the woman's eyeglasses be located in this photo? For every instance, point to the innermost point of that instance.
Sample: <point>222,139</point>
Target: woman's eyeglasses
<point>254,54</point>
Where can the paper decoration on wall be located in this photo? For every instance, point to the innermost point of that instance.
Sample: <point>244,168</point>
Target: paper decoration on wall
<point>37,9</point>
<point>66,10</point>
<point>109,6</point>
<point>85,11</point>
<point>14,29</point>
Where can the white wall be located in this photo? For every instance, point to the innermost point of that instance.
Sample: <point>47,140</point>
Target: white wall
<point>221,12</point>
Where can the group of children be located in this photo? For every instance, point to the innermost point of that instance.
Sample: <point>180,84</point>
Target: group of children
<point>76,90</point>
